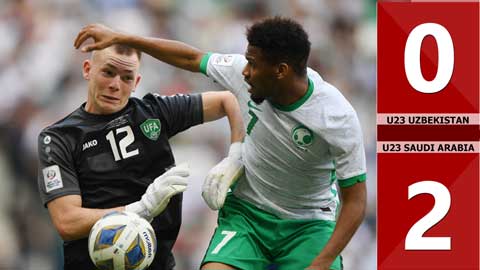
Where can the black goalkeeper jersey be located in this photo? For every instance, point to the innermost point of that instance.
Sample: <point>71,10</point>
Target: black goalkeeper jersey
<point>109,160</point>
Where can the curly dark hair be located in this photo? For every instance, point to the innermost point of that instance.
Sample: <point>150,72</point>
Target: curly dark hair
<point>281,40</point>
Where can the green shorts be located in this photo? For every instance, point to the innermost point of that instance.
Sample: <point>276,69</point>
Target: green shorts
<point>250,238</point>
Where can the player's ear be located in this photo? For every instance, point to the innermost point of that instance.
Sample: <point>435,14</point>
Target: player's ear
<point>87,66</point>
<point>282,70</point>
<point>137,81</point>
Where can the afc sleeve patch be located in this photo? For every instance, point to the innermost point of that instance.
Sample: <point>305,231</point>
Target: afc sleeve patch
<point>52,178</point>
<point>224,60</point>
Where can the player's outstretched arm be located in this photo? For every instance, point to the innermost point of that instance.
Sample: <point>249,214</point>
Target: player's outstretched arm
<point>219,104</point>
<point>172,52</point>
<point>225,173</point>
<point>73,221</point>
<point>351,215</point>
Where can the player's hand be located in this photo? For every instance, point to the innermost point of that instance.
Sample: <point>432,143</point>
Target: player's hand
<point>158,193</point>
<point>222,176</point>
<point>102,36</point>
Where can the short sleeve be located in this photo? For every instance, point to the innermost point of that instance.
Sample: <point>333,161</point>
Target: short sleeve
<point>345,141</point>
<point>56,171</point>
<point>180,112</point>
<point>226,69</point>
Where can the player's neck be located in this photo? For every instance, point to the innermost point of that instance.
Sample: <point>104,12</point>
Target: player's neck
<point>291,91</point>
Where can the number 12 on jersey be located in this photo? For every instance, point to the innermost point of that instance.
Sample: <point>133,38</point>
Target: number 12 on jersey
<point>123,143</point>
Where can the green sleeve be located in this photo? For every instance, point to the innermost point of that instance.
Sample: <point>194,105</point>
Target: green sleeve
<point>204,62</point>
<point>352,180</point>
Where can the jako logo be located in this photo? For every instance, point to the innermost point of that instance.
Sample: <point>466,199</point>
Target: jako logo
<point>149,244</point>
<point>89,144</point>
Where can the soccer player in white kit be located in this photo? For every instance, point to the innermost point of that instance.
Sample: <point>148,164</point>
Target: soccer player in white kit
<point>303,137</point>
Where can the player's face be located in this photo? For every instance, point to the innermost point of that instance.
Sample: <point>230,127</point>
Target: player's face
<point>112,77</point>
<point>259,74</point>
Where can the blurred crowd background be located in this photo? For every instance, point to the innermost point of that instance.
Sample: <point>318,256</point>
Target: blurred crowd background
<point>40,76</point>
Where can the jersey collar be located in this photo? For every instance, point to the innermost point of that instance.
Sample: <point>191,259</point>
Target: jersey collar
<point>105,116</point>
<point>298,103</point>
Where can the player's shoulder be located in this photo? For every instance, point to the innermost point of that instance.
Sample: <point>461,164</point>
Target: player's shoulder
<point>327,97</point>
<point>148,98</point>
<point>62,133</point>
<point>152,99</point>
<point>146,101</point>
<point>74,119</point>
<point>327,108</point>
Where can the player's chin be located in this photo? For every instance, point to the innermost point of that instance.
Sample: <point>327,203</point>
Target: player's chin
<point>255,96</point>
<point>257,99</point>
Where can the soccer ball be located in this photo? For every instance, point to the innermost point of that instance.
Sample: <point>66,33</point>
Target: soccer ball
<point>122,241</point>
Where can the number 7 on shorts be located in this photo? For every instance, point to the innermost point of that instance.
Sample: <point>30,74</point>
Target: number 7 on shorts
<point>228,235</point>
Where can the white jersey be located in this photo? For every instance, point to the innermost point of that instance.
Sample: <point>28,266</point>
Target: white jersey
<point>293,154</point>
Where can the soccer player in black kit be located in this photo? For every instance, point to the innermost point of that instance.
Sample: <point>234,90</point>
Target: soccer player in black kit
<point>112,153</point>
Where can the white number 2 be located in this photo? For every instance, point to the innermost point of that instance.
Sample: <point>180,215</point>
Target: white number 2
<point>415,239</point>
<point>124,143</point>
<point>228,235</point>
<point>445,58</point>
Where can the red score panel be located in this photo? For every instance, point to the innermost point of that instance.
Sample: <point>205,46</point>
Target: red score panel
<point>428,110</point>
<point>438,227</point>
<point>428,57</point>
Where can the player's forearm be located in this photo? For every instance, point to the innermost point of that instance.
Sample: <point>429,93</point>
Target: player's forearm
<point>232,110</point>
<point>350,218</point>
<point>173,52</point>
<point>78,223</point>
<point>220,104</point>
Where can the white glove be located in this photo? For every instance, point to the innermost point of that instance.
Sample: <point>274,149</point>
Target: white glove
<point>222,176</point>
<point>158,193</point>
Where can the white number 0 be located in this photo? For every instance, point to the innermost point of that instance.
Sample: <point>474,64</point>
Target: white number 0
<point>415,239</point>
<point>445,58</point>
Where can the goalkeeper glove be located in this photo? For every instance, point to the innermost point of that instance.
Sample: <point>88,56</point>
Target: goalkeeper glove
<point>158,193</point>
<point>222,176</point>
